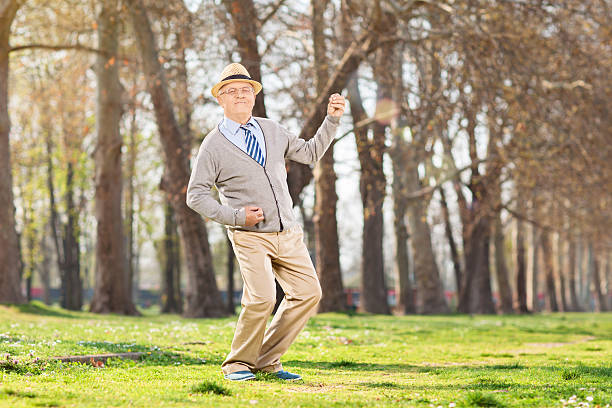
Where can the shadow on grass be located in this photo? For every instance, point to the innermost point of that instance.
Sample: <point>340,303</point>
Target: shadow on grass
<point>579,372</point>
<point>37,308</point>
<point>168,358</point>
<point>154,356</point>
<point>350,365</point>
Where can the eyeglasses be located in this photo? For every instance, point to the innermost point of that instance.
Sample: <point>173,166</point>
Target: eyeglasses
<point>247,90</point>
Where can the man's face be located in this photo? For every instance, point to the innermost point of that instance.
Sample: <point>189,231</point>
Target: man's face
<point>236,98</point>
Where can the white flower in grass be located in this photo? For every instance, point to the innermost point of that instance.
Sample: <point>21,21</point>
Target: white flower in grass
<point>589,398</point>
<point>452,405</point>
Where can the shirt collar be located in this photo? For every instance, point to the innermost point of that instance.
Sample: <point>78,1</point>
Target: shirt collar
<point>233,127</point>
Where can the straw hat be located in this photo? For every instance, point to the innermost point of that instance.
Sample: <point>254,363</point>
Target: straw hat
<point>235,72</point>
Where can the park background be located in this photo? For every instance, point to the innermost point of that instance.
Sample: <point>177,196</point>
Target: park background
<point>472,170</point>
<point>460,224</point>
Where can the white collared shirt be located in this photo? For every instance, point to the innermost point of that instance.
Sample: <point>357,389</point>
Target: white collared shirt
<point>232,132</point>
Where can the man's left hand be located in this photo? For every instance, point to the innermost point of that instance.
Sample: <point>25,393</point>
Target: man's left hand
<point>336,105</point>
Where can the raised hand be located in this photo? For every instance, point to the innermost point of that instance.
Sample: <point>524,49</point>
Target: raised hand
<point>336,105</point>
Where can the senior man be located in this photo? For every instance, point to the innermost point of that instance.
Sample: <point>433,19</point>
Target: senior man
<point>244,158</point>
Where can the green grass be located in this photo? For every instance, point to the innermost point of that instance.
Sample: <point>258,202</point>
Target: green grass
<point>345,360</point>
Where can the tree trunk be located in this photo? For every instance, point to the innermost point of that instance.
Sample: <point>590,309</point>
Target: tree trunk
<point>325,218</point>
<point>203,297</point>
<point>547,254</point>
<point>404,292</point>
<point>476,296</point>
<point>10,284</point>
<point>503,280</point>
<point>561,268</point>
<point>309,227</point>
<point>130,203</point>
<point>535,269</point>
<point>521,267</point>
<point>54,222</point>
<point>460,273</point>
<point>571,272</point>
<point>112,291</point>
<point>476,291</point>
<point>72,285</point>
<point>372,181</point>
<point>608,288</point>
<point>171,298</point>
<point>451,240</point>
<point>600,296</point>
<point>326,235</point>
<point>430,292</point>
<point>31,267</point>
<point>45,268</point>
<point>586,272</point>
<point>231,263</point>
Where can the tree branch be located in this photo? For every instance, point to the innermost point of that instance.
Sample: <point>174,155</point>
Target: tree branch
<point>430,189</point>
<point>368,121</point>
<point>271,13</point>
<point>77,47</point>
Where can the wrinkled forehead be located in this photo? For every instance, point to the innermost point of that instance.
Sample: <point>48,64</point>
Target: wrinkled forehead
<point>236,84</point>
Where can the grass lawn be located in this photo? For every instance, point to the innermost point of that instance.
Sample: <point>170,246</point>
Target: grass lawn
<point>346,361</point>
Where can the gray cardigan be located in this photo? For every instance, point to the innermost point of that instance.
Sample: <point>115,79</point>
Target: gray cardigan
<point>241,181</point>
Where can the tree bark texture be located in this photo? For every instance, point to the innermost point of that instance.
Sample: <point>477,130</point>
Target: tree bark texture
<point>326,235</point>
<point>535,269</point>
<point>429,289</point>
<point>476,296</point>
<point>10,283</point>
<point>132,257</point>
<point>501,269</point>
<point>325,218</point>
<point>600,296</point>
<point>372,182</point>
<point>231,267</point>
<point>404,292</point>
<point>521,267</point>
<point>45,268</point>
<point>202,297</point>
<point>72,283</point>
<point>112,291</point>
<point>448,228</point>
<point>562,274</point>
<point>547,254</point>
<point>172,302</point>
<point>571,272</point>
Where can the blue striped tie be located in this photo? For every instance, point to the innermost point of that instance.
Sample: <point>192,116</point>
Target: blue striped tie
<point>253,148</point>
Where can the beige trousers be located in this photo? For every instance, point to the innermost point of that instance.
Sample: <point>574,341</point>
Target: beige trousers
<point>262,256</point>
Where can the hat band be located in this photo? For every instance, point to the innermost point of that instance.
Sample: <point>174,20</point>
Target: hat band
<point>239,76</point>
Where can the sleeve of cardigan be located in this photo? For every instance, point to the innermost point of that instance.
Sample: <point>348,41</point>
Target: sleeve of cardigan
<point>309,152</point>
<point>199,195</point>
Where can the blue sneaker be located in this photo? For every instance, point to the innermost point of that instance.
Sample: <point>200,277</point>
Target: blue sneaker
<point>240,376</point>
<point>287,376</point>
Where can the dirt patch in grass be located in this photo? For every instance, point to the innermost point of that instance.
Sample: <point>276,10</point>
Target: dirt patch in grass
<point>532,346</point>
<point>316,388</point>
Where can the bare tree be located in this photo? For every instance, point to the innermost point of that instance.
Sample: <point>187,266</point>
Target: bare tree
<point>521,263</point>
<point>325,220</point>
<point>10,286</point>
<point>203,297</point>
<point>112,292</point>
<point>399,157</point>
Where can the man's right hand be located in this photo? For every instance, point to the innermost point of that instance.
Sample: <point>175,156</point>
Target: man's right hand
<point>254,215</point>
